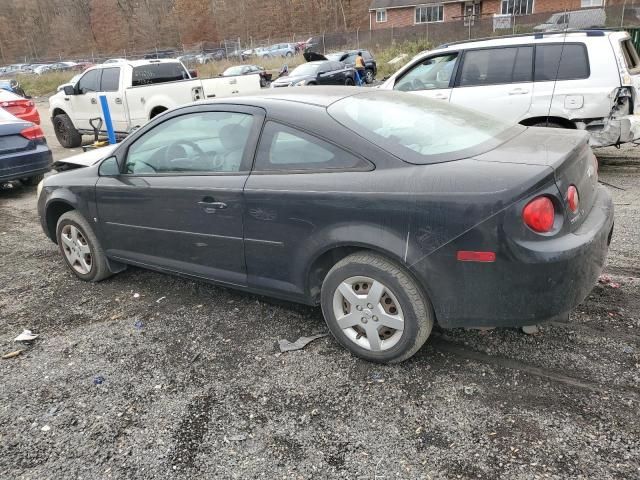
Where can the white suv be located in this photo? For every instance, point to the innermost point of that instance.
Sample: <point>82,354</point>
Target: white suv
<point>588,80</point>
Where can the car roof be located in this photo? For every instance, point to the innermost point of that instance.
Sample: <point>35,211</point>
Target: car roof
<point>6,95</point>
<point>317,96</point>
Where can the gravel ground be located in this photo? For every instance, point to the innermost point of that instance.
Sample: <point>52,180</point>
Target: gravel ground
<point>184,380</point>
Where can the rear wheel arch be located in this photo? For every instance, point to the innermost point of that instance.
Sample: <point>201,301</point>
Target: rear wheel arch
<point>155,111</point>
<point>553,122</point>
<point>54,211</point>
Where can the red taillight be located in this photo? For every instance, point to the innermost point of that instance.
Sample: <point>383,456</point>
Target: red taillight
<point>17,103</point>
<point>572,198</point>
<point>32,133</point>
<point>539,214</point>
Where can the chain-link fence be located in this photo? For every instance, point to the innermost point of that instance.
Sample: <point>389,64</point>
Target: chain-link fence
<point>470,25</point>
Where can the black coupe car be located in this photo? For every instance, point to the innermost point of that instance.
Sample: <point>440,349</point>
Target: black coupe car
<point>390,210</point>
<point>24,154</point>
<point>321,72</point>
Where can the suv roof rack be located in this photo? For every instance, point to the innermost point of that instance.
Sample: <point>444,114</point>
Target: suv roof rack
<point>537,35</point>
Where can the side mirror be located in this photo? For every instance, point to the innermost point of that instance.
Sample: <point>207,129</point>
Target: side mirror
<point>193,73</point>
<point>109,167</point>
<point>69,90</point>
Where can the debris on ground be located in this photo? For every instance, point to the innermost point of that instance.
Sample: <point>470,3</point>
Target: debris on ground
<point>299,344</point>
<point>99,380</point>
<point>531,329</point>
<point>136,295</point>
<point>12,354</point>
<point>236,438</point>
<point>160,299</point>
<point>46,428</point>
<point>375,377</point>
<point>26,336</point>
<point>139,325</point>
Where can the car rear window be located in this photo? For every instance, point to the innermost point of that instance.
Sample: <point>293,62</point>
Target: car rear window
<point>419,129</point>
<point>631,58</point>
<point>567,61</point>
<point>491,66</point>
<point>158,73</point>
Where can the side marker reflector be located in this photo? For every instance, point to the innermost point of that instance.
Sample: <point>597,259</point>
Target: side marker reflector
<point>485,257</point>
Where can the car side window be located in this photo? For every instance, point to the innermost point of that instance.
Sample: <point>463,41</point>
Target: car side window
<point>283,148</point>
<point>430,74</point>
<point>562,62</point>
<point>89,82</point>
<point>203,142</point>
<point>110,80</point>
<point>324,68</point>
<point>493,66</point>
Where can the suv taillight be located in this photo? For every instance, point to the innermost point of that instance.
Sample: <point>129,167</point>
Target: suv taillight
<point>32,133</point>
<point>539,214</point>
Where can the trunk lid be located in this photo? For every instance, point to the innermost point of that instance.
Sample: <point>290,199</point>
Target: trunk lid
<point>567,152</point>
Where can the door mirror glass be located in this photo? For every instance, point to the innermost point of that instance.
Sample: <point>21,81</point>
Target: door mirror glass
<point>109,167</point>
<point>69,90</point>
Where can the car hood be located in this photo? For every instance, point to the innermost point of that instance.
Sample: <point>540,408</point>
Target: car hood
<point>85,159</point>
<point>291,79</point>
<point>313,56</point>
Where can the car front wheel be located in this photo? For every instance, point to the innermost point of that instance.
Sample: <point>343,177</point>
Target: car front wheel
<point>374,308</point>
<point>80,248</point>
<point>369,76</point>
<point>66,133</point>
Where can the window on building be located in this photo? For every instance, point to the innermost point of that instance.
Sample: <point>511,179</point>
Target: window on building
<point>591,3</point>
<point>428,14</point>
<point>381,16</point>
<point>517,7</point>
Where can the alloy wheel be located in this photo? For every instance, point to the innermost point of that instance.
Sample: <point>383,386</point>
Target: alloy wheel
<point>76,249</point>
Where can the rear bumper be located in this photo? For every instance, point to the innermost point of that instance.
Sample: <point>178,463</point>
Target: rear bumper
<point>528,283</point>
<point>25,164</point>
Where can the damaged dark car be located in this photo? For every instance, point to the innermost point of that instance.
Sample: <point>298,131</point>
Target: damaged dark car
<point>423,212</point>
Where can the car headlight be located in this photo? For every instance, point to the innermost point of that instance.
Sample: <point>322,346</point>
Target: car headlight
<point>39,190</point>
<point>300,83</point>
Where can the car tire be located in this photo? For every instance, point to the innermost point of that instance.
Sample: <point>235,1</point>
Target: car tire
<point>548,125</point>
<point>289,54</point>
<point>80,248</point>
<point>33,181</point>
<point>388,297</point>
<point>349,82</point>
<point>66,133</point>
<point>369,76</point>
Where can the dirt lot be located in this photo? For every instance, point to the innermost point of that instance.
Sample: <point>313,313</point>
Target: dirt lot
<point>184,380</point>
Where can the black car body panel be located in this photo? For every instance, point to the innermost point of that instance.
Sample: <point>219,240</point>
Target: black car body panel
<point>325,73</point>
<point>21,157</point>
<point>348,57</point>
<point>280,227</point>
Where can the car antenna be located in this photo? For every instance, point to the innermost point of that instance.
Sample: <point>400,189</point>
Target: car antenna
<point>564,41</point>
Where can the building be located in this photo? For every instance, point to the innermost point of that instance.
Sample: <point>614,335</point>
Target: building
<point>404,13</point>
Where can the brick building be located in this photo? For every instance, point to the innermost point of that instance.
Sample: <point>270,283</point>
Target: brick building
<point>404,13</point>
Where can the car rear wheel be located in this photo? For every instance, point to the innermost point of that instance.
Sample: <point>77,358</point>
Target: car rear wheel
<point>289,54</point>
<point>80,248</point>
<point>349,81</point>
<point>375,309</point>
<point>66,133</point>
<point>548,125</point>
<point>33,181</point>
<point>369,76</point>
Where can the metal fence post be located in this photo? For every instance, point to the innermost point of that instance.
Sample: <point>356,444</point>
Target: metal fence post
<point>624,6</point>
<point>358,38</point>
<point>324,45</point>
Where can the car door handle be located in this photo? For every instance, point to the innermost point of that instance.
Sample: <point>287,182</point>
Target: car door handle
<point>210,204</point>
<point>441,96</point>
<point>518,91</point>
<point>94,101</point>
<point>118,101</point>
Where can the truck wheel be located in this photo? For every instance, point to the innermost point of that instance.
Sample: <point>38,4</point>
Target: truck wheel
<point>33,181</point>
<point>66,133</point>
<point>548,125</point>
<point>374,308</point>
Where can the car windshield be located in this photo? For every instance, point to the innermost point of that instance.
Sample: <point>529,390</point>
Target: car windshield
<point>418,129</point>
<point>305,69</point>
<point>232,71</point>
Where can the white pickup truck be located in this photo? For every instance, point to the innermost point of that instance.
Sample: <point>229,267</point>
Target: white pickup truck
<point>136,91</point>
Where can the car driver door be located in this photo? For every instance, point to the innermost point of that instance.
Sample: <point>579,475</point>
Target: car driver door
<point>431,77</point>
<point>84,104</point>
<point>177,202</point>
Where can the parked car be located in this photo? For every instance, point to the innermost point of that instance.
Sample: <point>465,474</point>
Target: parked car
<point>24,154</point>
<point>189,58</point>
<point>349,58</point>
<point>115,60</point>
<point>278,50</point>
<point>160,54</point>
<point>582,80</point>
<point>265,77</point>
<point>136,92</point>
<point>351,207</point>
<point>575,20</point>
<point>23,108</point>
<point>209,57</point>
<point>322,72</point>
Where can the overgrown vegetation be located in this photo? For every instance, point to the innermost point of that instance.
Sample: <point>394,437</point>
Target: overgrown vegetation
<point>47,83</point>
